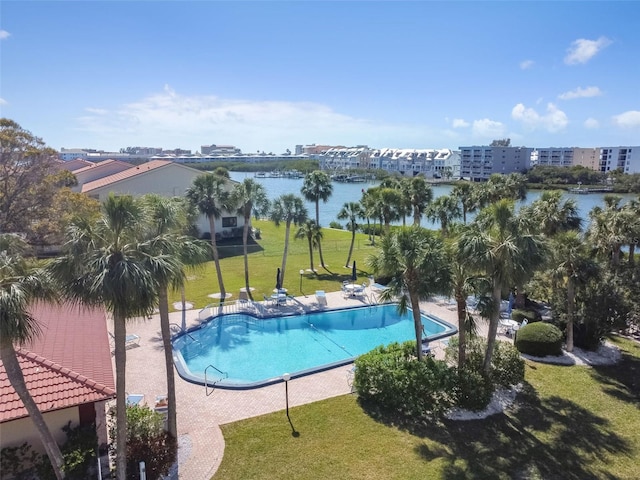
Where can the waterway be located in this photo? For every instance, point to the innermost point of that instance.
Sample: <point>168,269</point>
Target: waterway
<point>352,192</point>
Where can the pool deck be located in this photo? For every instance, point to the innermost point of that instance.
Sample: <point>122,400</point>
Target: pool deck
<point>200,416</point>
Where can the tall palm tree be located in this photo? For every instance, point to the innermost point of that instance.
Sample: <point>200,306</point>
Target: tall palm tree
<point>633,227</point>
<point>251,198</point>
<point>208,193</point>
<point>444,209</point>
<point>569,258</point>
<point>165,251</point>
<point>609,227</point>
<point>499,245</point>
<point>104,265</point>
<point>287,208</point>
<point>317,186</point>
<point>420,195</point>
<point>466,193</point>
<point>20,286</point>
<point>552,214</point>
<point>371,206</point>
<point>390,205</point>
<point>310,230</point>
<point>351,211</point>
<point>415,260</point>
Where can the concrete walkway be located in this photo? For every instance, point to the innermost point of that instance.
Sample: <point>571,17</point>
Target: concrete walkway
<point>200,416</point>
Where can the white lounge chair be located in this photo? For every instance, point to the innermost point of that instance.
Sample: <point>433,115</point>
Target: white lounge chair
<point>130,340</point>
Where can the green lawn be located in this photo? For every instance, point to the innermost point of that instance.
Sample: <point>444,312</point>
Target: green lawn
<point>266,257</point>
<point>574,423</point>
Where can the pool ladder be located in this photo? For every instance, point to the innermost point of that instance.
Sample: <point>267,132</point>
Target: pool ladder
<point>213,385</point>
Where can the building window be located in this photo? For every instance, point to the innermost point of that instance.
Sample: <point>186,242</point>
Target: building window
<point>228,222</point>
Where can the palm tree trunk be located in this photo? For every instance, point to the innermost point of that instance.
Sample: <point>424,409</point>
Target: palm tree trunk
<point>245,239</point>
<point>163,306</point>
<point>416,216</point>
<point>353,239</point>
<point>571,294</point>
<point>417,323</point>
<point>216,259</point>
<point>285,252</point>
<point>493,328</point>
<point>16,378</point>
<point>319,241</point>
<point>632,254</point>
<point>120,334</point>
<point>183,298</point>
<point>461,302</point>
<point>311,253</point>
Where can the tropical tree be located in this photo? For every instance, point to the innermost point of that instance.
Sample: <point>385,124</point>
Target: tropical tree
<point>251,198</point>
<point>351,211</point>
<point>103,264</point>
<point>310,230</point>
<point>552,214</point>
<point>20,286</point>
<point>371,206</point>
<point>609,227</point>
<point>208,193</point>
<point>499,245</point>
<point>420,196</point>
<point>444,209</point>
<point>287,208</point>
<point>632,210</point>
<point>502,187</point>
<point>466,194</point>
<point>317,186</point>
<point>167,254</point>
<point>390,205</point>
<point>415,260</point>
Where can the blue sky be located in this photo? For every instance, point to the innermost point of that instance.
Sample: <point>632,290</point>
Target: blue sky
<point>269,75</point>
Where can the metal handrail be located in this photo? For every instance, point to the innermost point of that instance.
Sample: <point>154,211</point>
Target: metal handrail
<point>213,385</point>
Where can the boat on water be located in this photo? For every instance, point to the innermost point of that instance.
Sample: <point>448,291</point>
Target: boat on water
<point>584,191</point>
<point>260,175</point>
<point>345,178</point>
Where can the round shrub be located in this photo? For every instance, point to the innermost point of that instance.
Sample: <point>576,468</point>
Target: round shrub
<point>531,315</point>
<point>539,339</point>
<point>507,366</point>
<point>473,390</point>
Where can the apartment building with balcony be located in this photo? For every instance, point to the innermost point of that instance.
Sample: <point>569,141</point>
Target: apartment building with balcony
<point>587,157</point>
<point>553,156</point>
<point>478,163</point>
<point>624,159</point>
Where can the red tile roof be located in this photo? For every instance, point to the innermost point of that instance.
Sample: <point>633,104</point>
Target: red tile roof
<point>68,364</point>
<point>130,172</point>
<point>74,164</point>
<point>102,164</point>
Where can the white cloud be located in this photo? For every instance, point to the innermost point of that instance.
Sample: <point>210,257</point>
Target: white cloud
<point>591,123</point>
<point>459,123</point>
<point>553,121</point>
<point>3,101</point>
<point>583,50</point>
<point>526,64</point>
<point>630,119</point>
<point>581,93</point>
<point>4,34</point>
<point>486,128</point>
<point>168,118</point>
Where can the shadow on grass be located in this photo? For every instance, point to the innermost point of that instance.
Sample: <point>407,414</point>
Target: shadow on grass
<point>622,380</point>
<point>552,438</point>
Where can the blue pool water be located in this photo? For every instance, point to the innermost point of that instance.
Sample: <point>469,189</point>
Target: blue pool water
<point>255,352</point>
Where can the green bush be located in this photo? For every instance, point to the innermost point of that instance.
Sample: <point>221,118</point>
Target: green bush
<point>394,380</point>
<point>507,366</point>
<point>473,390</point>
<point>531,315</point>
<point>539,339</point>
<point>335,225</point>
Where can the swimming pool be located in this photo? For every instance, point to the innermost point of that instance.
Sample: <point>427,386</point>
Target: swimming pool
<point>255,352</point>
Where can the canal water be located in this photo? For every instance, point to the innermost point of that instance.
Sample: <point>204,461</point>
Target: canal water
<point>352,192</point>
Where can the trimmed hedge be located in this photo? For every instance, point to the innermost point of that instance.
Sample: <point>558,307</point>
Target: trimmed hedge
<point>531,315</point>
<point>539,339</point>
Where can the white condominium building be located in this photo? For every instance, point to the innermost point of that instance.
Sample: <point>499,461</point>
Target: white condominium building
<point>625,159</point>
<point>480,162</point>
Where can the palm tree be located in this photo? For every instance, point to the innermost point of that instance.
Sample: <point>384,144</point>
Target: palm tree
<point>467,195</point>
<point>351,211</point>
<point>420,196</point>
<point>371,207</point>
<point>415,260</point>
<point>633,214</point>
<point>20,286</point>
<point>499,245</point>
<point>317,186</point>
<point>569,257</point>
<point>609,227</point>
<point>390,205</point>
<point>444,209</point>
<point>209,195</point>
<point>313,233</point>
<point>553,215</point>
<point>287,208</point>
<point>104,265</point>
<point>251,198</point>
<point>166,250</point>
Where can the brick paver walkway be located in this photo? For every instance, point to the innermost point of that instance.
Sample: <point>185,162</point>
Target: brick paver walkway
<point>200,416</point>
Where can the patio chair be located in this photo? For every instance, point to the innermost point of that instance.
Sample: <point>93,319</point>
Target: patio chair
<point>131,340</point>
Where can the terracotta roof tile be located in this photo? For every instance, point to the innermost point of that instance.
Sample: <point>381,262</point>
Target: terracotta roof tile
<point>130,172</point>
<point>68,364</point>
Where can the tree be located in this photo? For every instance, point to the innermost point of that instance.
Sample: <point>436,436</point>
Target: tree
<point>287,208</point>
<point>466,194</point>
<point>420,196</point>
<point>25,165</point>
<point>167,253</point>
<point>512,187</point>
<point>415,260</point>
<point>609,227</point>
<point>499,245</point>
<point>208,194</point>
<point>104,264</point>
<point>390,205</point>
<point>553,215</point>
<point>503,142</point>
<point>20,286</point>
<point>251,198</point>
<point>317,186</point>
<point>371,207</point>
<point>313,233</point>
<point>351,211</point>
<point>444,209</point>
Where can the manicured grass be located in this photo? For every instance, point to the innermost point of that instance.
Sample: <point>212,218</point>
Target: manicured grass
<point>569,423</point>
<point>266,257</point>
